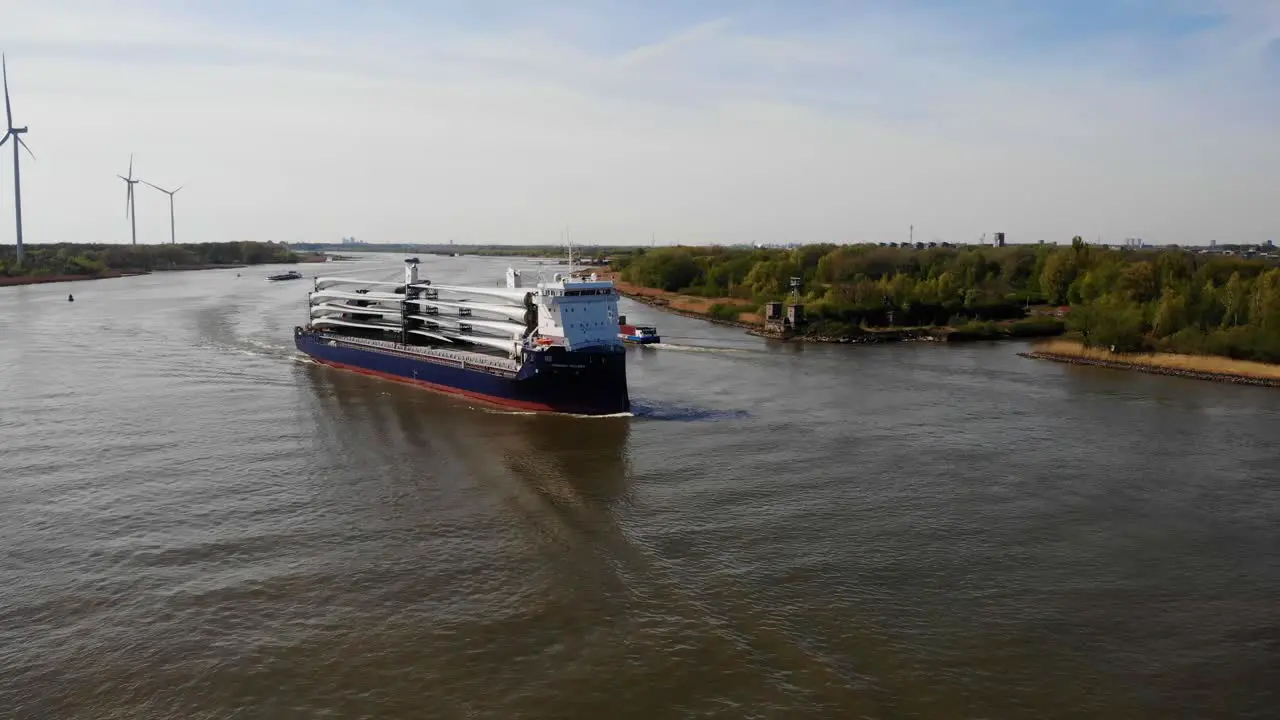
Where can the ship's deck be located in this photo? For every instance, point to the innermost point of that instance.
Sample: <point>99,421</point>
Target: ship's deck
<point>462,358</point>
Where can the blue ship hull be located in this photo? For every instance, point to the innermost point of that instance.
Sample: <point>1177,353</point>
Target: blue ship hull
<point>555,380</point>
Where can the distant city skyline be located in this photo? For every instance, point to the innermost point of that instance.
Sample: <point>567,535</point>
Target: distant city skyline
<point>712,122</point>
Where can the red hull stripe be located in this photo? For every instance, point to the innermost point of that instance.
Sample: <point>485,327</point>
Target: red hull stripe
<point>490,399</point>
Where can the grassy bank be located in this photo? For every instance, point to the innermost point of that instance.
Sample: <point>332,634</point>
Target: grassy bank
<point>8,281</point>
<point>725,311</point>
<point>746,315</point>
<point>74,261</point>
<point>1152,300</point>
<point>1204,367</point>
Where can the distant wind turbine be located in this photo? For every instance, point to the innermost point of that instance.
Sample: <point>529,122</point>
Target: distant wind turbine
<point>16,133</point>
<point>128,201</point>
<point>170,193</point>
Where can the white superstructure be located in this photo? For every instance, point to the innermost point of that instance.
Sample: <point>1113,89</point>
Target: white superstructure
<point>576,312</point>
<point>568,312</point>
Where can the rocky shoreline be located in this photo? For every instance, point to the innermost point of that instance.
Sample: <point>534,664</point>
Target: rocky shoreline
<point>870,337</point>
<point>1152,369</point>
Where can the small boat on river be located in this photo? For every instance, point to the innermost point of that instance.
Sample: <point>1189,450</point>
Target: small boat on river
<point>638,334</point>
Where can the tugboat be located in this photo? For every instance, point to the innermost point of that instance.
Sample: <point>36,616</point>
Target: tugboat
<point>291,275</point>
<point>637,334</point>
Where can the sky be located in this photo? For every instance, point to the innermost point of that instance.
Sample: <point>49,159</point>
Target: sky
<point>496,121</point>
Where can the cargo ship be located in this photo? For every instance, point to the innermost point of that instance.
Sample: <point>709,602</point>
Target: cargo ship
<point>638,334</point>
<point>550,347</point>
<point>291,275</point>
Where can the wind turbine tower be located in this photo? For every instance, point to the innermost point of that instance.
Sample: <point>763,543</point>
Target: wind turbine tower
<point>171,193</point>
<point>128,201</point>
<point>16,133</point>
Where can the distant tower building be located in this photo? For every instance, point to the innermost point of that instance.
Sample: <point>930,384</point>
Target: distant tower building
<point>999,238</point>
<point>795,315</point>
<point>784,325</point>
<point>773,313</point>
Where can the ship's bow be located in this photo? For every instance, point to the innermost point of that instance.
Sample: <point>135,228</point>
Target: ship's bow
<point>587,382</point>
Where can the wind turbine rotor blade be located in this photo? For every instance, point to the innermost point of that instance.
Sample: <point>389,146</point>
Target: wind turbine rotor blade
<point>155,186</point>
<point>130,169</point>
<point>23,143</point>
<point>4,139</point>
<point>128,199</point>
<point>175,192</point>
<point>8,111</point>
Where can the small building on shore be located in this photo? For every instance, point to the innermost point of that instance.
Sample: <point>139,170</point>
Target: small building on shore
<point>783,320</point>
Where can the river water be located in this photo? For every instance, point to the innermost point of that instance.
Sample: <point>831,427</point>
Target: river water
<point>197,523</point>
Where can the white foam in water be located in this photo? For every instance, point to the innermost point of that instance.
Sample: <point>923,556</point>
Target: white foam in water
<point>274,347</point>
<point>697,348</point>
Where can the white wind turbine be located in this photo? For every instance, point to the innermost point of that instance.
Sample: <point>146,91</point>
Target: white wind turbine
<point>16,133</point>
<point>128,201</point>
<point>170,193</point>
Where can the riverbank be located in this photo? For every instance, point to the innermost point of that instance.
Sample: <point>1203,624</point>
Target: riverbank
<point>74,262</point>
<point>41,279</point>
<point>1199,367</point>
<point>686,305</point>
<point>1036,326</point>
<point>186,268</point>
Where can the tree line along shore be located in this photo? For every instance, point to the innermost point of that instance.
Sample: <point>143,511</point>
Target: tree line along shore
<point>69,261</point>
<point>1116,307</point>
<point>1122,301</point>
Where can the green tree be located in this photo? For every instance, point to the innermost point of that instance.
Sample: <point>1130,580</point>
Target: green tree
<point>1235,302</point>
<point>1112,322</point>
<point>1055,280</point>
<point>1169,299</point>
<point>1171,313</point>
<point>1265,309</point>
<point>1139,283</point>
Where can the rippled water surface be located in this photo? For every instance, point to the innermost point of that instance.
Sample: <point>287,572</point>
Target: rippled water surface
<point>197,523</point>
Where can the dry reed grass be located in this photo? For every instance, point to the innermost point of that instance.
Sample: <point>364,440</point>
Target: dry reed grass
<point>1168,361</point>
<point>683,303</point>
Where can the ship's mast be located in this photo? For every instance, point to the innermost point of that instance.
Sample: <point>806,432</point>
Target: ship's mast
<point>410,293</point>
<point>569,244</point>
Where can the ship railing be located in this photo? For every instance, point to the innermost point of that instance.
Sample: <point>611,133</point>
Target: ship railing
<point>462,358</point>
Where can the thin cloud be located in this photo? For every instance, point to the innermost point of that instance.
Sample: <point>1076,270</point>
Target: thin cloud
<point>412,124</point>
